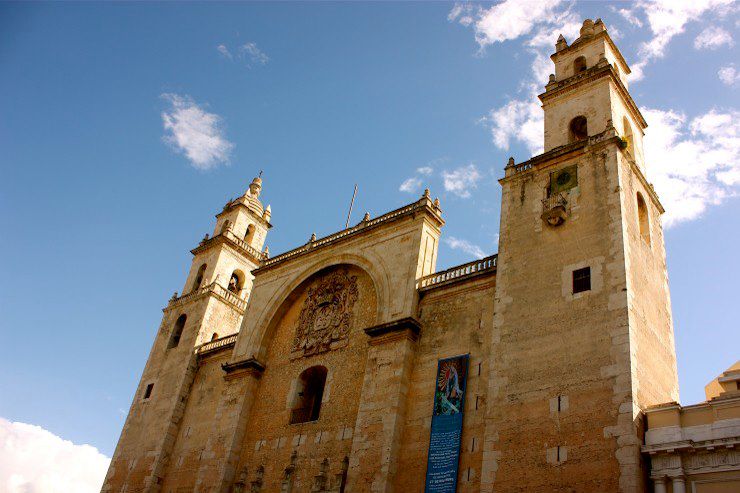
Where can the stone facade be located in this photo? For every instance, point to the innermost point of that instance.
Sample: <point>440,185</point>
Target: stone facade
<point>315,370</point>
<point>695,448</point>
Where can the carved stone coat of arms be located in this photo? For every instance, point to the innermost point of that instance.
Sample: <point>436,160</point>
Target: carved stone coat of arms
<point>325,319</point>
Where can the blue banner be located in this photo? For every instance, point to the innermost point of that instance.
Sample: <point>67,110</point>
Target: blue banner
<point>447,420</point>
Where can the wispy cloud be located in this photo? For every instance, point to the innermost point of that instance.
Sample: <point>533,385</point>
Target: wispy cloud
<point>462,180</point>
<point>254,54</point>
<point>425,170</point>
<point>712,38</point>
<point>248,53</point>
<point>693,163</point>
<point>465,246</point>
<point>194,132</point>
<point>539,24</point>
<point>224,51</point>
<point>729,75</point>
<point>410,185</point>
<point>667,19</point>
<point>33,459</point>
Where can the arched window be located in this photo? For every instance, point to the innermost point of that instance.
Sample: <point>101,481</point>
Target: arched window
<point>199,277</point>
<point>643,218</point>
<point>177,332</point>
<point>579,65</point>
<point>628,135</point>
<point>578,129</point>
<point>309,392</point>
<point>236,282</point>
<point>225,226</point>
<point>214,336</point>
<point>249,236</point>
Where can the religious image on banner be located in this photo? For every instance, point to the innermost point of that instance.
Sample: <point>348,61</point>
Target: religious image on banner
<point>449,396</point>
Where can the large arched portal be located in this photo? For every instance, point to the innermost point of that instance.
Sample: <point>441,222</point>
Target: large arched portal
<point>315,357</point>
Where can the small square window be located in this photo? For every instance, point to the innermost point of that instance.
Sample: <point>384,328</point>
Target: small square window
<point>148,391</point>
<point>582,280</point>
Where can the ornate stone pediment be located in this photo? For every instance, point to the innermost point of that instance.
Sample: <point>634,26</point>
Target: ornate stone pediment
<point>326,316</point>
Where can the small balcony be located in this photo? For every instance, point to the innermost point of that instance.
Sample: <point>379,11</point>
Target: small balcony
<point>554,210</point>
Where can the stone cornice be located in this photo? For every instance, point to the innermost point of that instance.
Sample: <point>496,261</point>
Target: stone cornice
<point>236,244</point>
<point>402,326</point>
<point>598,71</point>
<point>234,204</point>
<point>421,206</point>
<point>247,366</point>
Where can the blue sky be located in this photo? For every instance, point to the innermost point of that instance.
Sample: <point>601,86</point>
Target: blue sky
<point>126,127</point>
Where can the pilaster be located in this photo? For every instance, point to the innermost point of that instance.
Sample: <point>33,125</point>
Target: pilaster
<point>380,417</point>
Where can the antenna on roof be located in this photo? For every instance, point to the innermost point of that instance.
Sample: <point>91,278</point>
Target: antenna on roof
<point>350,207</point>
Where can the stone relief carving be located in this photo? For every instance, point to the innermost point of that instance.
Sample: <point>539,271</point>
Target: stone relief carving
<point>326,316</point>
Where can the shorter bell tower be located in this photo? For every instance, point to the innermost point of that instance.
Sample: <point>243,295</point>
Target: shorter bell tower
<point>210,308</point>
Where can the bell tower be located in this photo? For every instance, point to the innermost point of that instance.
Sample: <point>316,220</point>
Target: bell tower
<point>210,308</point>
<point>583,335</point>
<point>589,92</point>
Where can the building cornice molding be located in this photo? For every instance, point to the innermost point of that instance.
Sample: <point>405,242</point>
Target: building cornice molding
<point>422,206</point>
<point>598,71</point>
<point>403,328</point>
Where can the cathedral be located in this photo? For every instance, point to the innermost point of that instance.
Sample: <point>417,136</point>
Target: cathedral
<point>350,364</point>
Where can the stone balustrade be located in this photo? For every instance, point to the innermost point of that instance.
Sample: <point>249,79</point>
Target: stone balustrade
<point>224,294</point>
<point>458,273</point>
<point>216,344</point>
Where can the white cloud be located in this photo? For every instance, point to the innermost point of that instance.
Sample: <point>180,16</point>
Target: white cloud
<point>461,180</point>
<point>194,132</point>
<point>253,53</point>
<point>541,23</point>
<point>425,170</point>
<point>712,38</point>
<point>667,19</point>
<point>695,164</point>
<point>506,20</point>
<point>465,246</point>
<point>729,75</point>
<point>521,120</point>
<point>410,185</point>
<point>224,51</point>
<point>34,460</point>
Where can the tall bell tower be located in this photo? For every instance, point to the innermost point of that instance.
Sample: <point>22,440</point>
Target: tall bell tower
<point>210,308</point>
<point>583,335</point>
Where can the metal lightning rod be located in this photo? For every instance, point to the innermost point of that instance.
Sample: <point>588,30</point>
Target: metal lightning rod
<point>350,207</point>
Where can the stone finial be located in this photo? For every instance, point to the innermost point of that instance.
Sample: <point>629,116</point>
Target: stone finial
<point>174,296</point>
<point>366,217</point>
<point>267,214</point>
<point>587,30</point>
<point>205,238</point>
<point>266,252</point>
<point>436,202</point>
<point>510,163</point>
<point>313,237</point>
<point>426,193</point>
<point>551,79</point>
<point>255,188</point>
<point>561,43</point>
<point>599,26</point>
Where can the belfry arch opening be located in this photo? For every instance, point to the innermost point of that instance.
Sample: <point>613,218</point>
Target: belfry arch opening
<point>199,277</point>
<point>643,218</point>
<point>249,235</point>
<point>578,129</point>
<point>628,136</point>
<point>177,331</point>
<point>579,65</point>
<point>236,282</point>
<point>308,395</point>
